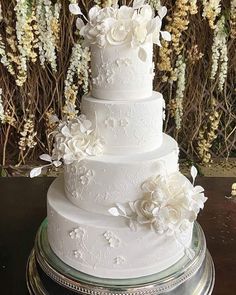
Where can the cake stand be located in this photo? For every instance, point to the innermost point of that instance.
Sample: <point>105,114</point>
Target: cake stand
<point>47,274</point>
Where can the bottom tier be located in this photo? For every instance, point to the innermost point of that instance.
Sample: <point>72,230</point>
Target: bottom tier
<point>104,246</point>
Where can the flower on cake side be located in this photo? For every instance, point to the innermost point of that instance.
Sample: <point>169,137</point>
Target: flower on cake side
<point>116,25</point>
<point>169,204</point>
<point>74,140</point>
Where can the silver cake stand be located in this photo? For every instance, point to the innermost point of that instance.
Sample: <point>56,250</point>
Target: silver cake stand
<point>47,274</point>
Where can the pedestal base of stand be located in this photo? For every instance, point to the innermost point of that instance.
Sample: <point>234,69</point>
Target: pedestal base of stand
<point>47,274</point>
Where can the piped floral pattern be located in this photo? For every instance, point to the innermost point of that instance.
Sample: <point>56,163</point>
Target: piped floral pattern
<point>77,254</point>
<point>77,233</point>
<point>105,75</point>
<point>85,175</point>
<point>119,260</point>
<point>112,239</point>
<point>106,72</point>
<point>116,123</point>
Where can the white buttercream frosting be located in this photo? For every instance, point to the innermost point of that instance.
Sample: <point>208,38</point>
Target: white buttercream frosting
<point>126,126</point>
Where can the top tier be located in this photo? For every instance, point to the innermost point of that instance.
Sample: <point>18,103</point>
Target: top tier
<point>121,41</point>
<point>118,73</point>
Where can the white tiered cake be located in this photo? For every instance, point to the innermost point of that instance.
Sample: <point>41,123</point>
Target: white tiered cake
<point>122,210</point>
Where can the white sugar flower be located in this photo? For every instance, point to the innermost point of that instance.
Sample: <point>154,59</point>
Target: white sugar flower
<point>169,203</point>
<point>95,147</point>
<point>73,141</point>
<point>119,33</point>
<point>125,13</point>
<point>122,25</point>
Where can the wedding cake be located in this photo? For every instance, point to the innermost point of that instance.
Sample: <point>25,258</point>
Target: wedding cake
<point>122,209</point>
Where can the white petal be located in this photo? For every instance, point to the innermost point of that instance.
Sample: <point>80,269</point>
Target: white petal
<point>57,163</point>
<point>79,23</point>
<point>65,131</point>
<point>166,35</point>
<point>113,211</point>
<point>121,208</point>
<point>132,207</point>
<point>156,39</point>
<point>152,25</point>
<point>93,12</point>
<point>132,225</point>
<point>198,189</point>
<point>193,172</point>
<point>155,211</point>
<point>162,11</point>
<point>75,9</point>
<point>138,3</point>
<point>35,172</point>
<point>68,158</point>
<point>142,54</point>
<point>45,157</point>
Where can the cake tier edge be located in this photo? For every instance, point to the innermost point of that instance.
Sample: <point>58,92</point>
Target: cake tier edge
<point>104,246</point>
<point>127,125</point>
<point>95,184</point>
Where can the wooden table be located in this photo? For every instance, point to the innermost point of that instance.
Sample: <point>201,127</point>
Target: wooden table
<point>23,207</point>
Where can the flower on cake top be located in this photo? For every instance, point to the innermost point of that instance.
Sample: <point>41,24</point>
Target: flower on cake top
<point>121,25</point>
<point>73,141</point>
<point>169,204</point>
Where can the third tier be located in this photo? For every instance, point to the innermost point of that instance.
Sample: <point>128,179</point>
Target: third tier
<point>127,126</point>
<point>97,183</point>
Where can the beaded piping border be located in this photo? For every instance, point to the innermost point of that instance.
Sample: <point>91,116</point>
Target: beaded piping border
<point>146,289</point>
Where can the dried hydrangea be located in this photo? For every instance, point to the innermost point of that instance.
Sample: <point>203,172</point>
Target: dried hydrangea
<point>1,16</point>
<point>77,74</point>
<point>155,4</point>
<point>180,89</point>
<point>28,135</point>
<point>194,54</point>
<point>107,3</point>
<point>51,120</point>
<point>219,53</point>
<point>2,115</point>
<point>233,18</point>
<point>211,9</point>
<point>4,58</point>
<point>25,38</point>
<point>208,133</point>
<point>177,24</point>
<point>47,16</point>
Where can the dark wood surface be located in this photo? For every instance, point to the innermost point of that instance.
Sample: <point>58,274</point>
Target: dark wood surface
<point>23,207</point>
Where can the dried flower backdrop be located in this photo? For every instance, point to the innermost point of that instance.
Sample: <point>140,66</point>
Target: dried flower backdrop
<point>44,71</point>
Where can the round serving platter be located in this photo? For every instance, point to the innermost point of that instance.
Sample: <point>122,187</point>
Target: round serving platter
<point>47,274</point>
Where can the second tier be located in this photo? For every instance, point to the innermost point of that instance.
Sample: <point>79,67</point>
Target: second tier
<point>97,183</point>
<point>127,126</point>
